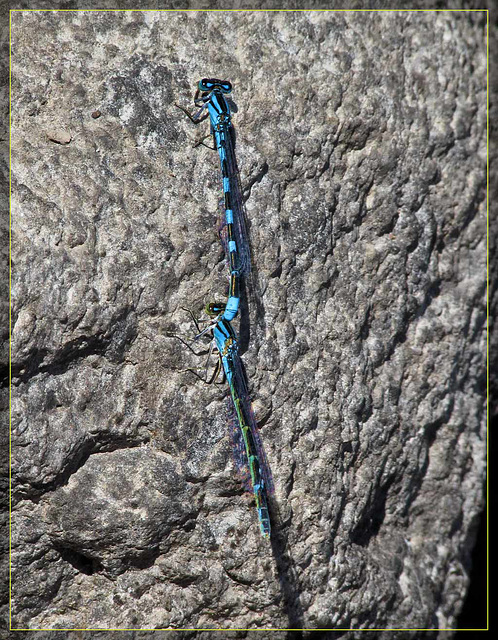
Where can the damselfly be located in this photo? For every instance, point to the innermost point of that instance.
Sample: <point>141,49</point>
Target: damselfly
<point>224,340</point>
<point>210,95</point>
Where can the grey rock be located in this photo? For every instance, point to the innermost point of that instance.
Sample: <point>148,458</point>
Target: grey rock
<point>361,140</point>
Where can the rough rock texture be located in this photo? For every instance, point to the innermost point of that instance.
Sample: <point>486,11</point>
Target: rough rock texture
<point>362,147</point>
<point>4,322</point>
<point>493,217</point>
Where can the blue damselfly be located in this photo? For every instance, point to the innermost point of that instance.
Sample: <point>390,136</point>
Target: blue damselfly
<point>210,95</point>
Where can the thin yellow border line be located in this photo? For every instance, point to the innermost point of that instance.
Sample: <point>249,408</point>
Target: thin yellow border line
<point>237,629</point>
<point>11,11</point>
<point>10,320</point>
<point>248,11</point>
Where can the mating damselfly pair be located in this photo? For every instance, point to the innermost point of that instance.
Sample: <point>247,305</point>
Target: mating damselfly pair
<point>211,99</point>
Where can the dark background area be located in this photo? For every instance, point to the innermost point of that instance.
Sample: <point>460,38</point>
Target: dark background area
<point>474,612</point>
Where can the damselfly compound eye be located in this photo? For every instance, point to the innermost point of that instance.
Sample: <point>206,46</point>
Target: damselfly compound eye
<point>215,308</point>
<point>208,84</point>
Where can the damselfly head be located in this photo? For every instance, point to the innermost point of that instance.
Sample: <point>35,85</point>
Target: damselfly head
<point>209,84</point>
<point>214,309</point>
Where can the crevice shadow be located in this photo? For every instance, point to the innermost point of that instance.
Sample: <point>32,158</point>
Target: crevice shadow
<point>290,587</point>
<point>289,581</point>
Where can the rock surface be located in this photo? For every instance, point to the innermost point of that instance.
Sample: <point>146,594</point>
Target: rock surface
<point>361,140</point>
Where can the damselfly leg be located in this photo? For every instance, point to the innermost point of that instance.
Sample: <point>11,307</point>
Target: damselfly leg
<point>201,332</point>
<point>201,142</point>
<point>196,118</point>
<point>204,378</point>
